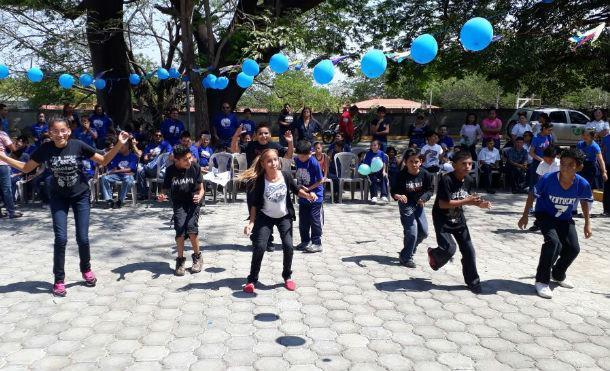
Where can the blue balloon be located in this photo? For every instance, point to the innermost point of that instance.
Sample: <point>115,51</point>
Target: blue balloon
<point>100,84</point>
<point>476,34</point>
<point>66,81</point>
<point>173,73</point>
<point>4,72</point>
<point>373,63</point>
<point>324,72</point>
<point>424,49</point>
<point>279,63</point>
<point>134,79</point>
<point>376,165</point>
<point>85,80</point>
<point>221,83</point>
<point>250,67</point>
<point>35,74</point>
<point>244,81</point>
<point>209,81</point>
<point>162,73</point>
<point>364,169</point>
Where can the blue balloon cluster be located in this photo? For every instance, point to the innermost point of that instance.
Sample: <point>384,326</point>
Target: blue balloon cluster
<point>250,67</point>
<point>162,73</point>
<point>373,63</point>
<point>424,49</point>
<point>221,83</point>
<point>4,72</point>
<point>85,80</point>
<point>279,63</point>
<point>66,81</point>
<point>209,81</point>
<point>173,73</point>
<point>476,34</point>
<point>134,79</point>
<point>324,72</point>
<point>100,84</point>
<point>376,165</point>
<point>244,81</point>
<point>35,74</point>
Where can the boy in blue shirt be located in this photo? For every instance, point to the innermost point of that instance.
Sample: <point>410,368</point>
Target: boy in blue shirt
<point>309,177</point>
<point>171,127</point>
<point>247,123</point>
<point>378,181</point>
<point>86,133</point>
<point>101,123</point>
<point>185,140</point>
<point>556,193</point>
<point>122,169</point>
<point>205,150</point>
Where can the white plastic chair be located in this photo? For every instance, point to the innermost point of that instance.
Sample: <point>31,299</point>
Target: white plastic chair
<point>158,179</point>
<point>239,165</point>
<point>345,173</point>
<point>221,161</point>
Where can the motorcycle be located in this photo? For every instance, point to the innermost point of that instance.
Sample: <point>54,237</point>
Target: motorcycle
<point>328,135</point>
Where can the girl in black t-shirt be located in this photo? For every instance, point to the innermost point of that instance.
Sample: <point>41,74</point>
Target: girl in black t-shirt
<point>270,191</point>
<point>69,188</point>
<point>412,188</point>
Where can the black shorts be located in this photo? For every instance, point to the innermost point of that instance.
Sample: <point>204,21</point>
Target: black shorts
<point>186,219</point>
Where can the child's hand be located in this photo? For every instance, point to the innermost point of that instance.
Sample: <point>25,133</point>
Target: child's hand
<point>472,199</point>
<point>401,198</point>
<point>421,203</point>
<point>248,229</point>
<point>522,223</point>
<point>484,204</point>
<point>588,231</point>
<point>162,198</point>
<point>197,198</point>
<point>312,197</point>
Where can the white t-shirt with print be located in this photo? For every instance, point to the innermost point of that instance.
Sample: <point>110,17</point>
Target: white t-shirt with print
<point>598,126</point>
<point>544,168</point>
<point>274,205</point>
<point>431,155</point>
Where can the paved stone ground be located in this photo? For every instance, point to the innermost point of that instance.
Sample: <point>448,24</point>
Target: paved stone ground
<point>354,308</point>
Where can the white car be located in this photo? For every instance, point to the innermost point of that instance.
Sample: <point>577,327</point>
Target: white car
<point>568,124</point>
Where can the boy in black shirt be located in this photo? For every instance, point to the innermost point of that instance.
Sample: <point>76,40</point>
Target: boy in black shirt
<point>454,191</point>
<point>184,181</point>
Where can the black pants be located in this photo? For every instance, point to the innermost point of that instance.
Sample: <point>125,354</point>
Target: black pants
<point>607,192</point>
<point>517,178</point>
<point>249,201</point>
<point>311,217</point>
<point>447,245</point>
<point>560,240</point>
<point>263,228</point>
<point>486,173</point>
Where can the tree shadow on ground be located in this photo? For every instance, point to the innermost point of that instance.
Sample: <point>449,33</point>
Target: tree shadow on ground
<point>155,268</point>
<point>380,259</point>
<point>33,287</point>
<point>489,287</point>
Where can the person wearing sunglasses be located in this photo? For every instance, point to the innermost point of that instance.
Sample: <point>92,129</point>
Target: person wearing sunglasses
<point>156,147</point>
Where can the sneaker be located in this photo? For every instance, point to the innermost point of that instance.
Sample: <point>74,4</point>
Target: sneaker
<point>409,263</point>
<point>384,199</point>
<point>59,289</point>
<point>303,246</point>
<point>197,263</point>
<point>15,215</point>
<point>565,283</point>
<point>110,204</point>
<point>475,287</point>
<point>432,260</point>
<point>249,288</point>
<point>119,204</point>
<point>374,200</point>
<point>543,290</point>
<point>89,278</point>
<point>180,270</point>
<point>313,248</point>
<point>290,285</point>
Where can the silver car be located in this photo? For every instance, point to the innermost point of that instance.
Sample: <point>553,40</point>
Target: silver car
<point>568,124</point>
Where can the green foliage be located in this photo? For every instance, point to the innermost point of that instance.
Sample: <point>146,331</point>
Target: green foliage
<point>586,99</point>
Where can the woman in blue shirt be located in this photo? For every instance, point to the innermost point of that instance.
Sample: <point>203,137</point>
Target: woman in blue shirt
<point>556,193</point>
<point>594,162</point>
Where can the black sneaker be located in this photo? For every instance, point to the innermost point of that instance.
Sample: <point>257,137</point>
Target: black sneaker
<point>270,247</point>
<point>15,214</point>
<point>180,270</point>
<point>110,204</point>
<point>475,287</point>
<point>119,204</point>
<point>197,263</point>
<point>409,263</point>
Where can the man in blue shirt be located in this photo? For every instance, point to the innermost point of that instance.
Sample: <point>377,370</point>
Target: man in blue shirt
<point>205,151</point>
<point>101,123</point>
<point>40,129</point>
<point>86,133</point>
<point>309,176</point>
<point>224,125</point>
<point>171,127</point>
<point>556,193</point>
<point>186,141</point>
<point>247,123</point>
<point>122,169</point>
<point>150,158</point>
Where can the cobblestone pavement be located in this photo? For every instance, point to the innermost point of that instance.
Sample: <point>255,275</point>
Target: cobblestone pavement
<point>354,307</point>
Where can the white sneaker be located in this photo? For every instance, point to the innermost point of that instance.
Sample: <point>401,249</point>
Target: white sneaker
<point>385,199</point>
<point>313,248</point>
<point>543,290</point>
<point>565,283</point>
<point>374,199</point>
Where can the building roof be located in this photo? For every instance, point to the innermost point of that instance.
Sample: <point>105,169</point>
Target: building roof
<point>393,104</point>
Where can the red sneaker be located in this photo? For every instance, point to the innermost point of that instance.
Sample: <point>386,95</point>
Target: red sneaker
<point>432,260</point>
<point>249,288</point>
<point>290,285</point>
<point>59,289</point>
<point>89,278</point>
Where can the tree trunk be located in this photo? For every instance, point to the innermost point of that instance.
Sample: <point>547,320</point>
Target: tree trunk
<point>109,56</point>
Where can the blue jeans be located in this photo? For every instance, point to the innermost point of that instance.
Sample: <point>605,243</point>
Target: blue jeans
<point>311,217</point>
<point>378,183</point>
<point>415,228</point>
<point>59,212</point>
<point>108,180</point>
<point>143,174</point>
<point>6,190</point>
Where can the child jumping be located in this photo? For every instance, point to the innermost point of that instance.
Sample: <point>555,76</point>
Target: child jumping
<point>556,193</point>
<point>270,190</point>
<point>311,215</point>
<point>184,181</point>
<point>412,188</point>
<point>454,191</point>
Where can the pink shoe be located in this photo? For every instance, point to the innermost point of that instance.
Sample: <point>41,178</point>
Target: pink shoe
<point>89,278</point>
<point>59,289</point>
<point>290,285</point>
<point>249,288</point>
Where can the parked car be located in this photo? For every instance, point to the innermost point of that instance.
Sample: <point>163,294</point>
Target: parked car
<point>568,124</point>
